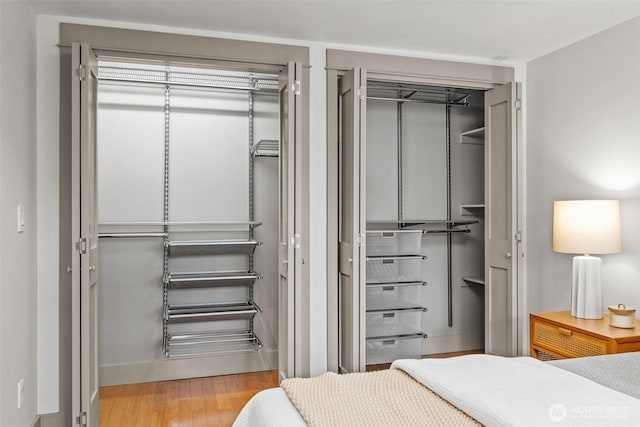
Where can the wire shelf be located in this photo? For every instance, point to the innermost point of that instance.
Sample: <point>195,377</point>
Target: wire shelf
<point>188,77</point>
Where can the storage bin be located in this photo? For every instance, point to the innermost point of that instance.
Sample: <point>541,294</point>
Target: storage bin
<point>388,350</point>
<point>393,295</point>
<point>394,242</point>
<point>382,323</point>
<point>393,268</point>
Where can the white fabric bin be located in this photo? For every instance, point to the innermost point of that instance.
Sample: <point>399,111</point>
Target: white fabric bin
<point>394,242</point>
<point>393,295</point>
<point>394,322</point>
<point>393,268</point>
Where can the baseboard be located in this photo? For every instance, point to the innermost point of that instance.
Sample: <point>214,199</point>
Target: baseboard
<point>452,343</point>
<point>175,369</point>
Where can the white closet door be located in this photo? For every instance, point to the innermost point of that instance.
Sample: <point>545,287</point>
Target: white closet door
<point>500,288</point>
<point>289,239</point>
<point>85,272</point>
<point>352,232</point>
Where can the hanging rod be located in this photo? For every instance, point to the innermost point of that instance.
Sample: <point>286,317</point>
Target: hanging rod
<point>449,230</point>
<point>200,85</point>
<point>170,223</point>
<point>131,235</point>
<point>461,103</point>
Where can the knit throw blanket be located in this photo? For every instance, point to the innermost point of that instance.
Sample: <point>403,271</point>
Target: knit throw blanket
<point>382,398</point>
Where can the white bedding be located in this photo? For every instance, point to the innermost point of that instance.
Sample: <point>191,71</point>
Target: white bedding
<point>269,408</point>
<point>522,391</point>
<point>494,390</point>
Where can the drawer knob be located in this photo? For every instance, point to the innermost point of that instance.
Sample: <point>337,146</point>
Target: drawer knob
<point>565,332</point>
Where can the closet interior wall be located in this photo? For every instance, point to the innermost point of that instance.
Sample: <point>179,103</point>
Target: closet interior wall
<point>417,169</point>
<point>212,187</point>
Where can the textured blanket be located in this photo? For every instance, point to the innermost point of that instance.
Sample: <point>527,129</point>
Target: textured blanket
<point>383,398</point>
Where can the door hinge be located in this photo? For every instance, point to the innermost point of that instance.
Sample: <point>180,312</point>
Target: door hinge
<point>296,239</point>
<point>82,419</point>
<point>361,240</point>
<point>517,104</point>
<point>81,246</point>
<point>518,236</point>
<point>362,93</point>
<point>296,87</point>
<point>81,72</point>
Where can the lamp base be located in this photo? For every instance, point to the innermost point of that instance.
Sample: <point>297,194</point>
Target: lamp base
<point>586,289</point>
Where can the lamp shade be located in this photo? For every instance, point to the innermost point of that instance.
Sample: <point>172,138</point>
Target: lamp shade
<point>586,227</point>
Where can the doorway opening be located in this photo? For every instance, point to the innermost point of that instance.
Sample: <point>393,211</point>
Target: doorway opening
<point>188,186</point>
<point>423,219</point>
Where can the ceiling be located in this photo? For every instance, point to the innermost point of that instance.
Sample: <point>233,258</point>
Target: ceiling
<point>501,30</point>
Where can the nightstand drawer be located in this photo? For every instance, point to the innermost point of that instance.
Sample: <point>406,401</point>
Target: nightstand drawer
<point>566,341</point>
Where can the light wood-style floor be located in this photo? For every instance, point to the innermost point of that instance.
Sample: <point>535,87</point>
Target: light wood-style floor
<point>196,402</point>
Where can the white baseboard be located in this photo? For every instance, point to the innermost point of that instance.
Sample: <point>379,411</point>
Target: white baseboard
<point>175,369</point>
<point>452,343</point>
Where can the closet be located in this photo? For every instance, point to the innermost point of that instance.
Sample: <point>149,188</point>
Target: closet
<point>188,216</point>
<point>424,238</point>
<point>423,209</point>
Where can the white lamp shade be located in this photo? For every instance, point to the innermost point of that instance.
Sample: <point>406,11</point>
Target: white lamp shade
<point>586,227</point>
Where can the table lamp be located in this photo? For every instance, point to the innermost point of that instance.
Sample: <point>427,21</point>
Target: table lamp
<point>586,227</point>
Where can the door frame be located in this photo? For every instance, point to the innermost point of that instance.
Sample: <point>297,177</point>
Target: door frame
<point>418,71</point>
<point>237,55</point>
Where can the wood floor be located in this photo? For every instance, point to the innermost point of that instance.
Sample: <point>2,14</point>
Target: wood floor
<point>196,402</point>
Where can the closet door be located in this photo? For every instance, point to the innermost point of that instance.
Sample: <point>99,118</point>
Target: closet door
<point>352,221</point>
<point>500,289</point>
<point>290,302</point>
<point>84,267</point>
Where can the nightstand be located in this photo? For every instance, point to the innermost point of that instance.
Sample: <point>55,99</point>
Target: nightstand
<point>558,335</point>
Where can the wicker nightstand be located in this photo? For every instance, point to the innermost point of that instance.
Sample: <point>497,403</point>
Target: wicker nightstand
<point>558,335</point>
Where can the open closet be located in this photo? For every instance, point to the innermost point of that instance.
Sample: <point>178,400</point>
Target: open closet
<point>424,219</point>
<point>423,210</point>
<point>188,212</point>
<point>188,222</point>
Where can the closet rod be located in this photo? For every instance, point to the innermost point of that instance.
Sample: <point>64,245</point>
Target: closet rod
<point>452,230</point>
<point>131,235</point>
<point>462,103</point>
<point>176,223</point>
<point>200,85</point>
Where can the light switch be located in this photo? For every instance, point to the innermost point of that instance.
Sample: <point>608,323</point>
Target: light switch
<point>20,219</point>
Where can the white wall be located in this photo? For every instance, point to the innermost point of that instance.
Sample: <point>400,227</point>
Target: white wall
<point>583,141</point>
<point>17,187</point>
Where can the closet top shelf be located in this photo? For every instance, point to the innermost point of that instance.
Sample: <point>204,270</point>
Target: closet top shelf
<point>187,77</point>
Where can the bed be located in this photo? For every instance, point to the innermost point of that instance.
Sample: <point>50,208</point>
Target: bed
<point>469,390</point>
